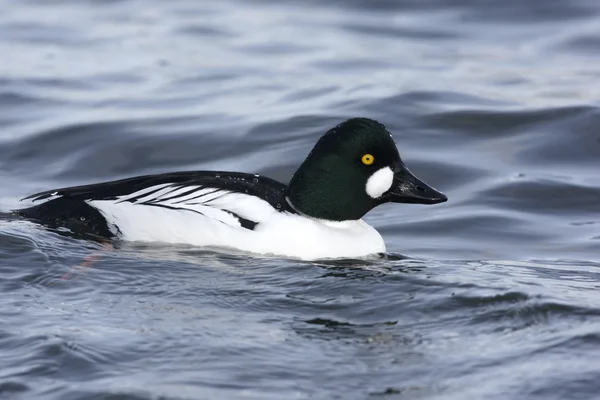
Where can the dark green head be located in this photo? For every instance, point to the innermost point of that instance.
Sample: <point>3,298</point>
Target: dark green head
<point>353,168</point>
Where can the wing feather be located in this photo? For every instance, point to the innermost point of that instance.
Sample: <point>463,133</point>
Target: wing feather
<point>197,199</point>
<point>235,199</point>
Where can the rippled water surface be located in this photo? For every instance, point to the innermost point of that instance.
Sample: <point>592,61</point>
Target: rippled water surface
<point>493,295</point>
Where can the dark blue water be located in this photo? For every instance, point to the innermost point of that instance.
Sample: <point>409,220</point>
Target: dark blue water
<point>493,295</point>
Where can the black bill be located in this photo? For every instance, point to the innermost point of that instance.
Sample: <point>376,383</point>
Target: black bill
<point>407,188</point>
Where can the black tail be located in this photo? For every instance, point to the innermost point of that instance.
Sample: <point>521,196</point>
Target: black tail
<point>81,219</point>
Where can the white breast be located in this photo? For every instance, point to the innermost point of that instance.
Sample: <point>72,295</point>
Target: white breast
<point>207,224</point>
<point>297,236</point>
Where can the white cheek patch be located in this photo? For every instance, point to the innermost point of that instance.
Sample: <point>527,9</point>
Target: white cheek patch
<point>380,182</point>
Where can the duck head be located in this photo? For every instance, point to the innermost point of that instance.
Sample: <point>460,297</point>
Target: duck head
<point>353,168</point>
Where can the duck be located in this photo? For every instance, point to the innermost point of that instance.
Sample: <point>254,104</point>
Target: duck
<point>353,168</point>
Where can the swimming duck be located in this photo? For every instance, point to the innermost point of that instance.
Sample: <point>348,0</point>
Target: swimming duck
<point>353,168</point>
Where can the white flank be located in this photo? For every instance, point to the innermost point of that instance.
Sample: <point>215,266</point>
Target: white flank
<point>380,182</point>
<point>174,215</point>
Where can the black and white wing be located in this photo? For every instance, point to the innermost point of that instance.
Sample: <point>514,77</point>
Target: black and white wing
<point>235,199</point>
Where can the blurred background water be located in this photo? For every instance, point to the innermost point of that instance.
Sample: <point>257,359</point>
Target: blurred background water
<point>494,103</point>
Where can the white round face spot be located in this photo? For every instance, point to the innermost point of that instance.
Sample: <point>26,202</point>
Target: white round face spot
<point>380,182</point>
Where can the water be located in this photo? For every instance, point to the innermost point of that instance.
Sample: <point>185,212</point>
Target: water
<point>492,295</point>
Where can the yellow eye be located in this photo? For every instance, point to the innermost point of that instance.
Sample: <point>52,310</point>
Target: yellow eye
<point>367,159</point>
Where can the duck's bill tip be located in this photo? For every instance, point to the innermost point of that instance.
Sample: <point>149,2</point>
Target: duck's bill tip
<point>441,198</point>
<point>418,198</point>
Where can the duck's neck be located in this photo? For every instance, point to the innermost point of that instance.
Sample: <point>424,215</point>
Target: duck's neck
<point>327,198</point>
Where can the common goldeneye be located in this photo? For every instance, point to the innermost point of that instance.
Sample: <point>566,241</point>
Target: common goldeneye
<point>353,168</point>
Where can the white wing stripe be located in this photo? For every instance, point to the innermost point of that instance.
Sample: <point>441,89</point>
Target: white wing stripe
<point>156,196</point>
<point>200,195</point>
<point>210,196</point>
<point>182,195</point>
<point>142,192</point>
<point>196,195</point>
<point>172,195</point>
